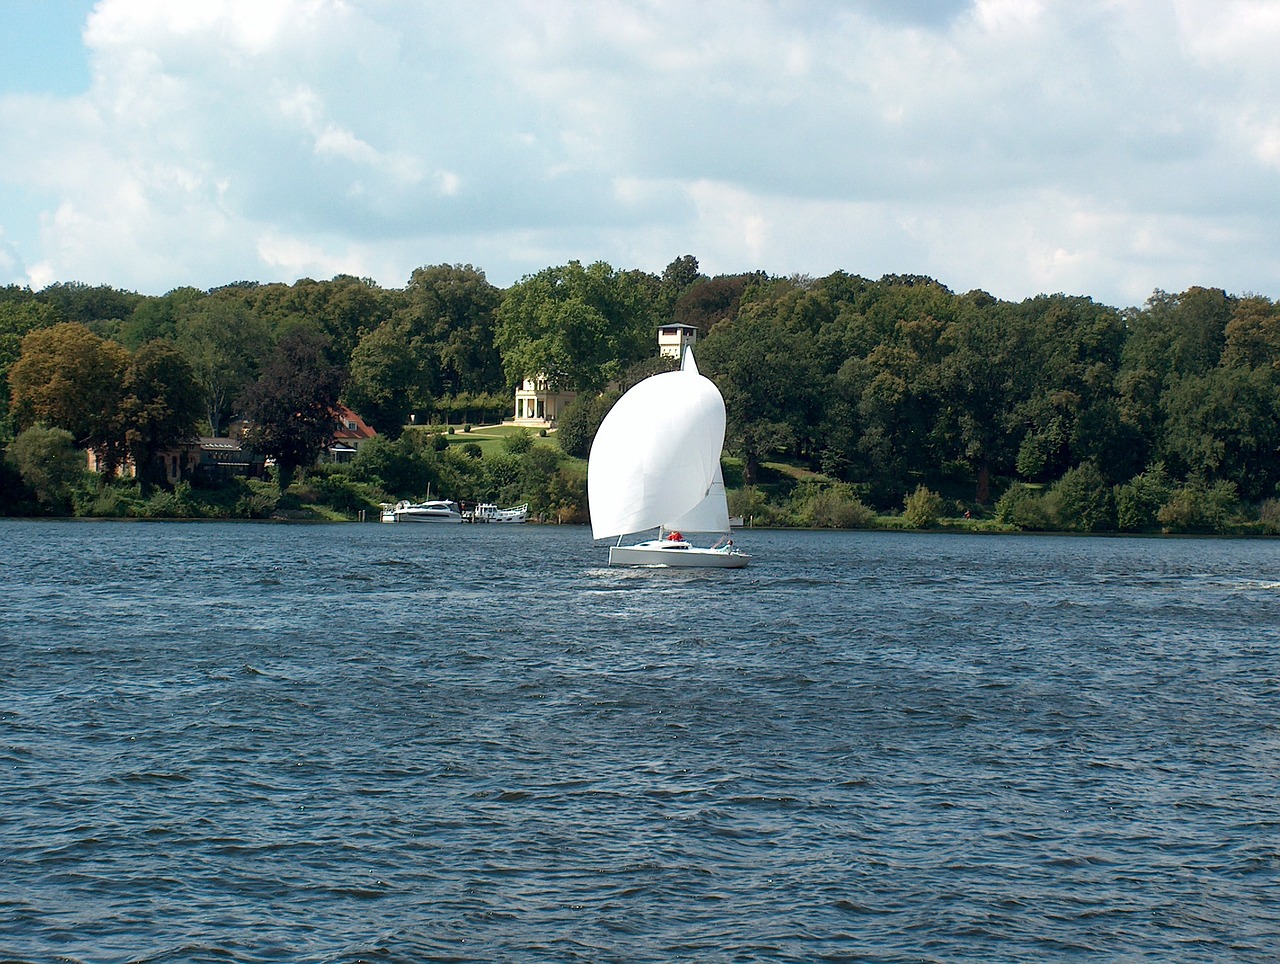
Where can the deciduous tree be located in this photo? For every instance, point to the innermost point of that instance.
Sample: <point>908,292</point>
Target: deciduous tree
<point>161,407</point>
<point>291,405</point>
<point>68,377</point>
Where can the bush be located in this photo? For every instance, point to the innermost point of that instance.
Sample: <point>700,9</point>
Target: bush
<point>177,504</point>
<point>1197,507</point>
<point>343,494</point>
<point>49,464</point>
<point>1139,500</point>
<point>518,442</point>
<point>1269,516</point>
<point>1022,506</point>
<point>835,507</point>
<point>256,505</point>
<point>921,508</point>
<point>1082,501</point>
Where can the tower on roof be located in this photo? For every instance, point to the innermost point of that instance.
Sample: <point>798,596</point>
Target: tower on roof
<point>674,339</point>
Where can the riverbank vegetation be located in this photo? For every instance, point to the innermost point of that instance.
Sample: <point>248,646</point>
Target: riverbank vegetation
<point>851,402</point>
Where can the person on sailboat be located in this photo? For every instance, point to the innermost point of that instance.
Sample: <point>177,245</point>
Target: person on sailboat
<point>675,537</point>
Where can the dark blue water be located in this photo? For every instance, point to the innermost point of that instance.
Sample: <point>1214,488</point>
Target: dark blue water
<point>260,742</point>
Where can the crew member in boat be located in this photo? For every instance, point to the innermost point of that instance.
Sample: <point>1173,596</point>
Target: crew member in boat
<point>675,537</point>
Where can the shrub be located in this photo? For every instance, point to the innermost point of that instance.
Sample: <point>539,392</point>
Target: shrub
<point>518,442</point>
<point>835,507</point>
<point>177,504</point>
<point>921,508</point>
<point>1139,500</point>
<point>1022,506</point>
<point>343,494</point>
<point>49,464</point>
<point>472,450</point>
<point>1269,516</point>
<point>1197,507</point>
<point>111,502</point>
<point>1082,501</point>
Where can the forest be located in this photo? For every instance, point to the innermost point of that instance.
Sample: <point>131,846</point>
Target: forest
<point>851,402</point>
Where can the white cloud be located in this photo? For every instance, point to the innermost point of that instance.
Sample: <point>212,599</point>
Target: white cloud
<point>1099,147</point>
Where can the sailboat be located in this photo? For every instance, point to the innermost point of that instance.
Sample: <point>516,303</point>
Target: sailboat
<point>655,464</point>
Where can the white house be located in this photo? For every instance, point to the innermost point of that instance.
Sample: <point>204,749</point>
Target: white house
<point>538,406</point>
<point>674,339</point>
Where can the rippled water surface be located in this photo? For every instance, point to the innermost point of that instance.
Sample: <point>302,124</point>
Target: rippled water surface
<point>261,742</point>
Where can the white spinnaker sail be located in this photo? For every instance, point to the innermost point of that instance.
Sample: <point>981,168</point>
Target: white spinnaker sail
<point>657,453</point>
<point>709,515</point>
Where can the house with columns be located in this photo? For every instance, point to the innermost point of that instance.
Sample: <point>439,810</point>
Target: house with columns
<point>538,406</point>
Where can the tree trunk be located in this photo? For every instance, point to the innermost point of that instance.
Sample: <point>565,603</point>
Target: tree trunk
<point>984,484</point>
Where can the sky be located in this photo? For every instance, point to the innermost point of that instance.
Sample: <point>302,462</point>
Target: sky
<point>1106,148</point>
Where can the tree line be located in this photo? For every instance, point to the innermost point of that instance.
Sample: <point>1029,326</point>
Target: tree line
<point>1054,412</point>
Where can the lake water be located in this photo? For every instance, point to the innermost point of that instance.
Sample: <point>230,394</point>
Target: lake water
<point>339,743</point>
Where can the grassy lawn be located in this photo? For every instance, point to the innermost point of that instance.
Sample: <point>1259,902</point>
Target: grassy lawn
<point>489,437</point>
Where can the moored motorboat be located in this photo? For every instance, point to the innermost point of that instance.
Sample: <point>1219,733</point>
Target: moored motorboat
<point>488,512</point>
<point>439,510</point>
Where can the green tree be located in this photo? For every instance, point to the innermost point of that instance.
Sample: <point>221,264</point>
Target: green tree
<point>1139,501</point>
<point>156,318</point>
<point>100,308</point>
<point>577,425</point>
<point>452,307</point>
<point>922,508</point>
<point>291,406</point>
<point>581,327</point>
<point>677,278</point>
<point>19,316</point>
<point>389,376</point>
<point>49,464</point>
<point>1200,507</point>
<point>985,375</point>
<point>224,342</point>
<point>1083,501</point>
<point>766,367</point>
<point>1225,426</point>
<point>161,406</point>
<point>67,377</point>
<point>404,467</point>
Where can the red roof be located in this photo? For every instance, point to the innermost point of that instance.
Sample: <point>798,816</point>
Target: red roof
<point>351,427</point>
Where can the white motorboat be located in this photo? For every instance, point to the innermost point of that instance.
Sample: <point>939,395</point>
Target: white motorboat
<point>488,512</point>
<point>439,510</point>
<point>655,463</point>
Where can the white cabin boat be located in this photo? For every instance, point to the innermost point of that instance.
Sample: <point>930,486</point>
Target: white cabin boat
<point>439,510</point>
<point>655,464</point>
<point>488,512</point>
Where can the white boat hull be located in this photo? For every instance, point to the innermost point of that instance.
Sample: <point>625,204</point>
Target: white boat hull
<point>677,555</point>
<point>488,512</point>
<point>437,512</point>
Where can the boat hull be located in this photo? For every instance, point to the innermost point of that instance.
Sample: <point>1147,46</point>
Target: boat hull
<point>439,518</point>
<point>440,511</point>
<point>677,556</point>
